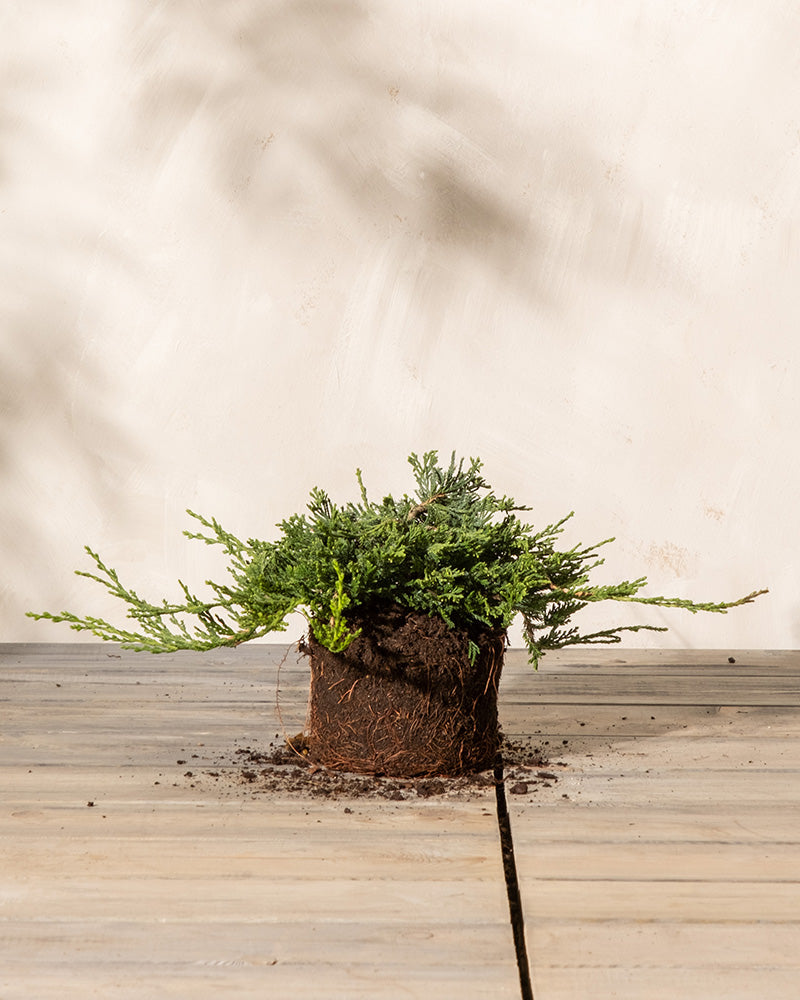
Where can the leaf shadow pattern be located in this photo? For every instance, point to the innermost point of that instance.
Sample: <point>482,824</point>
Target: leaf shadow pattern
<point>314,115</point>
<point>60,439</point>
<point>304,118</point>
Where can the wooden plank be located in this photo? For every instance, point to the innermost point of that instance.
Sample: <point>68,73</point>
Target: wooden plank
<point>676,790</point>
<point>658,982</point>
<point>730,946</point>
<point>68,787</point>
<point>658,902</point>
<point>601,658</point>
<point>258,656</point>
<point>309,982</point>
<point>661,861</point>
<point>40,654</point>
<point>424,892</point>
<point>345,977</point>
<point>718,961</point>
<point>551,819</point>
<point>525,695</point>
<point>692,690</point>
<point>619,721</point>
<point>665,860</point>
<point>678,679</point>
<point>144,709</point>
<point>171,886</point>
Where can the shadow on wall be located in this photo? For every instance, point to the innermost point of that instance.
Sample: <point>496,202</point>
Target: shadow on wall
<point>307,119</point>
<point>58,434</point>
<point>373,124</point>
<point>58,442</point>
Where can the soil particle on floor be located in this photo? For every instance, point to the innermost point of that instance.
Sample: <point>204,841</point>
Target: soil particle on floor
<point>281,770</point>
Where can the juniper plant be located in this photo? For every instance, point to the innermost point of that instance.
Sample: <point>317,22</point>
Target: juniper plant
<point>454,550</point>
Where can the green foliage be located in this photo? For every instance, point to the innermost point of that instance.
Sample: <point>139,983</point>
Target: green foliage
<point>454,550</point>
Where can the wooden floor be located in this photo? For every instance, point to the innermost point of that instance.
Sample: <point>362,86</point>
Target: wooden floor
<point>663,863</point>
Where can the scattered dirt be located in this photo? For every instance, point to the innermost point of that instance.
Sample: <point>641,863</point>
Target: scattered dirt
<point>280,771</point>
<point>402,714</point>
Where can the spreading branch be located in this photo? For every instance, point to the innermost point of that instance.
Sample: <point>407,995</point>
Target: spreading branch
<point>454,550</point>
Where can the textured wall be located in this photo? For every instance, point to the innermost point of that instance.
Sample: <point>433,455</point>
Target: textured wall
<point>248,246</point>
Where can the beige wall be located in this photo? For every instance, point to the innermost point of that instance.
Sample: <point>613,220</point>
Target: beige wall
<point>248,246</point>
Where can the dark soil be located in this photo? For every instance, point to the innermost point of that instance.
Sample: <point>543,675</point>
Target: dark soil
<point>403,699</point>
<point>401,714</point>
<point>280,771</point>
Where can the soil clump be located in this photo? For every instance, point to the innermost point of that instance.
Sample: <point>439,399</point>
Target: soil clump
<point>409,697</point>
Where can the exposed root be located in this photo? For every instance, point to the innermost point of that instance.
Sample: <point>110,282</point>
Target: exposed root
<point>413,705</point>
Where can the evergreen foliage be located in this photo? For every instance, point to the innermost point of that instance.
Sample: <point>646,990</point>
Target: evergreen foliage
<point>454,549</point>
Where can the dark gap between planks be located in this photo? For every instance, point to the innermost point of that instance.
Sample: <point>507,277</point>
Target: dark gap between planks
<point>512,882</point>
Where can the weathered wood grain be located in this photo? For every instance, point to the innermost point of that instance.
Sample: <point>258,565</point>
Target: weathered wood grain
<point>665,860</point>
<point>168,886</point>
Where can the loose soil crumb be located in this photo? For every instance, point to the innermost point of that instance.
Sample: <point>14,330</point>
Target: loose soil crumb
<point>278,770</point>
